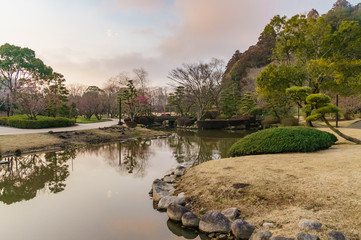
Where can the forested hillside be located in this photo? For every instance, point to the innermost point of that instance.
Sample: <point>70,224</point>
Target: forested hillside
<point>318,52</point>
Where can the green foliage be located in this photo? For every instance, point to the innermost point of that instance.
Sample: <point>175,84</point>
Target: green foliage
<point>21,121</point>
<point>4,121</point>
<point>281,140</point>
<point>320,106</point>
<point>289,121</point>
<point>247,103</point>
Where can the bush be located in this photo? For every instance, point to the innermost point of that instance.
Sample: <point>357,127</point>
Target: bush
<point>289,121</point>
<point>269,120</point>
<point>131,124</point>
<point>222,116</point>
<point>22,121</point>
<point>211,114</point>
<point>184,122</point>
<point>145,120</point>
<point>4,121</point>
<point>280,140</point>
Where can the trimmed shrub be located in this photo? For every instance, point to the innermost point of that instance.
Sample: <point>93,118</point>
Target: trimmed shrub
<point>131,124</point>
<point>22,121</point>
<point>184,122</point>
<point>281,140</point>
<point>3,121</point>
<point>289,121</point>
<point>145,120</point>
<point>211,114</point>
<point>269,120</point>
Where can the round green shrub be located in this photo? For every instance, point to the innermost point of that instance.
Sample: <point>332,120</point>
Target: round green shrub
<point>282,140</point>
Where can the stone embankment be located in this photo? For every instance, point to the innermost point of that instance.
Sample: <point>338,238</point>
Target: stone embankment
<point>221,225</point>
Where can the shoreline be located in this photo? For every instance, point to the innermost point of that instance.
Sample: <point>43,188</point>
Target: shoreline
<point>283,188</point>
<point>53,141</point>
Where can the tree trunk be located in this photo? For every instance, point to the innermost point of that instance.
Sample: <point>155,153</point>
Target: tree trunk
<point>348,138</point>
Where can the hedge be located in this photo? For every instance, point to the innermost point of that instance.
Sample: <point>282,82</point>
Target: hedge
<point>223,123</point>
<point>281,140</point>
<point>21,121</point>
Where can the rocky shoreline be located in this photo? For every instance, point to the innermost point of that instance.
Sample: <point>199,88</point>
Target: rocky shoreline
<point>223,225</point>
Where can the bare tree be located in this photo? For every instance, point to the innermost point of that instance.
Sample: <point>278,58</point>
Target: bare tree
<point>141,79</point>
<point>203,81</point>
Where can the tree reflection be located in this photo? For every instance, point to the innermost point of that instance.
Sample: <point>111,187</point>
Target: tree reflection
<point>23,176</point>
<point>195,147</point>
<point>129,157</point>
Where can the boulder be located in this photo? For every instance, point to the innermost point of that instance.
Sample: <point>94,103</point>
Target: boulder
<point>169,179</point>
<point>167,200</point>
<point>231,213</point>
<point>176,211</point>
<point>179,171</point>
<point>189,219</point>
<point>242,229</point>
<point>161,189</point>
<point>261,235</point>
<point>306,224</point>
<point>281,238</point>
<point>214,221</point>
<point>306,236</point>
<point>336,236</point>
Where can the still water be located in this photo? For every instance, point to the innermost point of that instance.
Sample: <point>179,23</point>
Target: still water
<point>100,192</point>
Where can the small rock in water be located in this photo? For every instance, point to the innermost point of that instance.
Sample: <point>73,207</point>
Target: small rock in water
<point>268,225</point>
<point>189,219</point>
<point>306,224</point>
<point>222,237</point>
<point>336,236</point>
<point>306,236</point>
<point>231,213</point>
<point>176,211</point>
<point>213,221</point>
<point>167,200</point>
<point>242,229</point>
<point>261,235</point>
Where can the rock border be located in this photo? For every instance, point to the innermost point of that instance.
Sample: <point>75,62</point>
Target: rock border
<point>220,225</point>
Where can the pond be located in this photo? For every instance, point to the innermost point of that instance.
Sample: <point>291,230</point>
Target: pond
<point>100,192</point>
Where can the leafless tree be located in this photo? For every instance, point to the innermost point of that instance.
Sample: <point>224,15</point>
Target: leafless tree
<point>203,81</point>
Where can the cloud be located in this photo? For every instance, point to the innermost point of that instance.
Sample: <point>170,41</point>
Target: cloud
<point>144,5</point>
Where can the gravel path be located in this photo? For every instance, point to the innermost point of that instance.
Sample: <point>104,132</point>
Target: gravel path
<point>80,126</point>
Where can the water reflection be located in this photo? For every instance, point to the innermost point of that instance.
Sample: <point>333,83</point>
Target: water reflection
<point>23,176</point>
<point>195,147</point>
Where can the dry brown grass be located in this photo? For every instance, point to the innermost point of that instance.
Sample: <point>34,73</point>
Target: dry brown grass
<point>24,142</point>
<point>284,188</point>
<point>43,141</point>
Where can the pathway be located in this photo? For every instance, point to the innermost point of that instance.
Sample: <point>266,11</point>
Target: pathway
<point>80,126</point>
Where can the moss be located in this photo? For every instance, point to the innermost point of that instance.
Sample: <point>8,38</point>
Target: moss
<point>281,140</point>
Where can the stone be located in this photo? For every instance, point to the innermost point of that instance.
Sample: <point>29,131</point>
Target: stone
<point>164,202</point>
<point>213,221</point>
<point>306,224</point>
<point>281,238</point>
<point>306,236</point>
<point>231,213</point>
<point>336,236</point>
<point>242,229</point>
<point>222,237</point>
<point>176,211</point>
<point>268,225</point>
<point>189,219</point>
<point>179,171</point>
<point>161,189</point>
<point>169,179</point>
<point>261,235</point>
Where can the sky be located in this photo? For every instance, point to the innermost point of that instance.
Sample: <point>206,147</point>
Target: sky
<point>90,41</point>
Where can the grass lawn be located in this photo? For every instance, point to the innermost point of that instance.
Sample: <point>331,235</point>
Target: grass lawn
<point>91,120</point>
